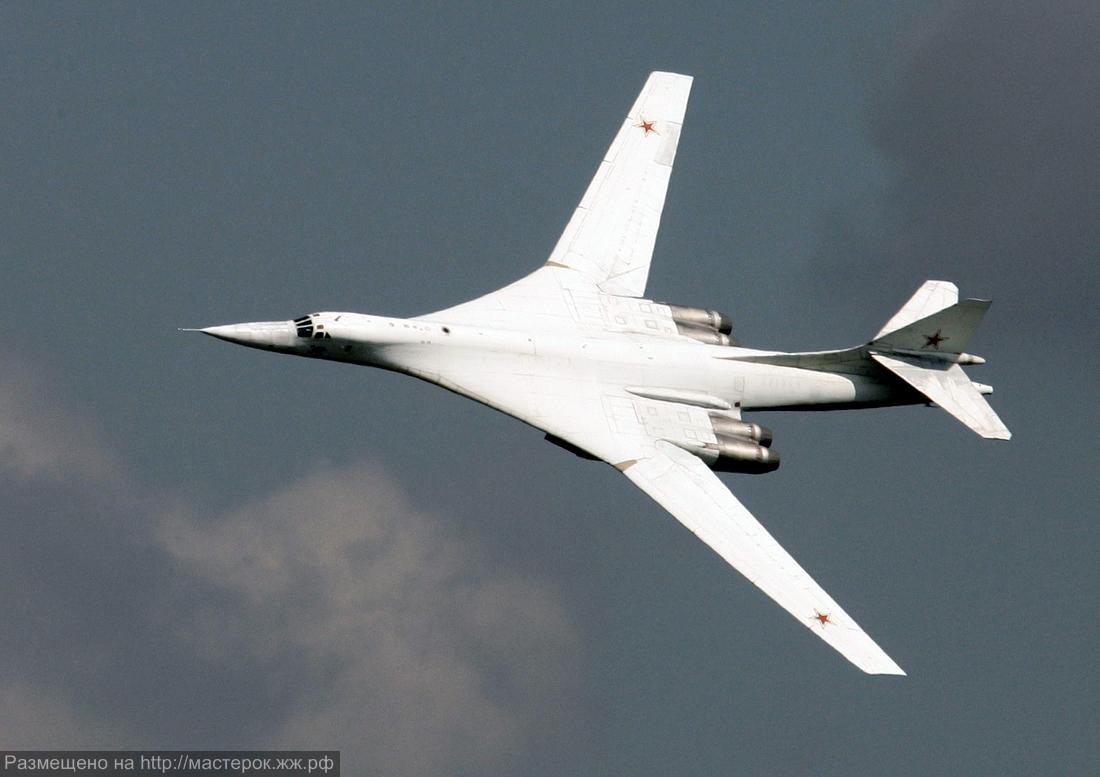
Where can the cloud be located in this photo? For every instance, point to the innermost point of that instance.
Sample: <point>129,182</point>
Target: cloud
<point>35,720</point>
<point>987,119</point>
<point>398,636</point>
<point>40,440</point>
<point>329,614</point>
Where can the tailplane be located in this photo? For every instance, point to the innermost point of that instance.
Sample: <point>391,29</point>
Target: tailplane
<point>923,345</point>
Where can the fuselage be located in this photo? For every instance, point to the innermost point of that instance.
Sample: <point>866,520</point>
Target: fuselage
<point>452,354</point>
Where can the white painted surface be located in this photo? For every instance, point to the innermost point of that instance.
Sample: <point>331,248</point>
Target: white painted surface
<point>575,350</point>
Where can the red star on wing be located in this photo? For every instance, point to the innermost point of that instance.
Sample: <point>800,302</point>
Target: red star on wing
<point>934,340</point>
<point>823,618</point>
<point>647,127</point>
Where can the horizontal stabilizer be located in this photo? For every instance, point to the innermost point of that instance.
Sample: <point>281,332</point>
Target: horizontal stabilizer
<point>948,386</point>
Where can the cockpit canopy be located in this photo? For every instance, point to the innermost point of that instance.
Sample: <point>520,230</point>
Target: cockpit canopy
<point>308,329</point>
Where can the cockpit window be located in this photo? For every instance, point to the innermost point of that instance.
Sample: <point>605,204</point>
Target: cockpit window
<point>307,329</point>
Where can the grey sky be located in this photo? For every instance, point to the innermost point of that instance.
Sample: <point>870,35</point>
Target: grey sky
<point>202,546</point>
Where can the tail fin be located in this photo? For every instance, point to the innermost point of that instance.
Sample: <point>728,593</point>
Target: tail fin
<point>926,353</point>
<point>931,297</point>
<point>945,332</point>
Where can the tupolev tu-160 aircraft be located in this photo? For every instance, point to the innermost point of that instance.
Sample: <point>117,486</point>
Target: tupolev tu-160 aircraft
<point>657,391</point>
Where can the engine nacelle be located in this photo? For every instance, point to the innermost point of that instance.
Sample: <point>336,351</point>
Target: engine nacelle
<point>703,334</point>
<point>708,319</point>
<point>739,454</point>
<point>732,427</point>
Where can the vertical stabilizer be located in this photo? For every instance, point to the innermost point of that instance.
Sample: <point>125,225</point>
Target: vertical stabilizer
<point>931,297</point>
<point>945,332</point>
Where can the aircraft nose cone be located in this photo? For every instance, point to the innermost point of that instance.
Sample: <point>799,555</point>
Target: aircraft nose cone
<point>258,334</point>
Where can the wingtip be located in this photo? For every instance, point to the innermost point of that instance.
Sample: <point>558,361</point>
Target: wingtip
<point>884,666</point>
<point>660,73</point>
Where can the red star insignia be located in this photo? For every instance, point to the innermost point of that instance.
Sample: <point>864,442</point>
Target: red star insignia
<point>646,127</point>
<point>823,618</point>
<point>934,340</point>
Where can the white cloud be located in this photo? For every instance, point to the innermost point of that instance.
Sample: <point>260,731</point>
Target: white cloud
<point>35,719</point>
<point>417,657</point>
<point>41,439</point>
<point>346,617</point>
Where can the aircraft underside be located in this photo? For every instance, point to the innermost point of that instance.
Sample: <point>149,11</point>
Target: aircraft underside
<point>656,390</point>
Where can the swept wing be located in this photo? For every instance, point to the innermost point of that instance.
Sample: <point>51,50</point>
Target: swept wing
<point>642,438</point>
<point>608,243</point>
<point>683,485</point>
<point>611,235</point>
